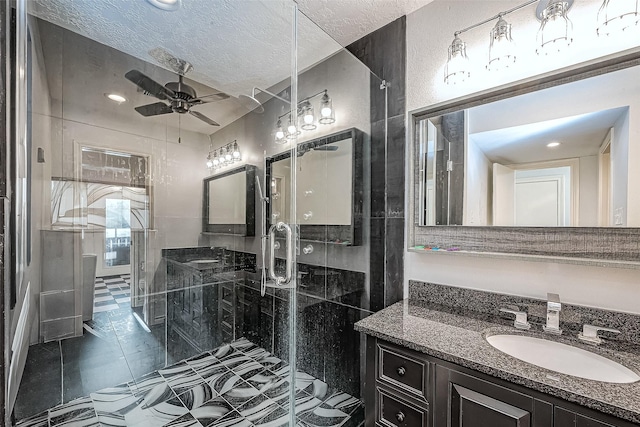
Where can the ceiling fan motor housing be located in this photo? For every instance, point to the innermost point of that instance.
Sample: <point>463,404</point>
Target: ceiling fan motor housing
<point>184,94</point>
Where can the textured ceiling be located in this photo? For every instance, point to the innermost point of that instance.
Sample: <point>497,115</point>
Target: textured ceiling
<point>233,45</point>
<point>348,20</point>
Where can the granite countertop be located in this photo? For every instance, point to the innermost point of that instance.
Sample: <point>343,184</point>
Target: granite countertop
<point>460,339</point>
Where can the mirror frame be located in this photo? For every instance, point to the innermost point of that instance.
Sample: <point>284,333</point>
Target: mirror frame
<point>605,246</point>
<point>249,227</point>
<point>331,233</point>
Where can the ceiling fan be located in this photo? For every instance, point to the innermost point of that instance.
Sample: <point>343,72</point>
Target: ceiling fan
<point>179,97</point>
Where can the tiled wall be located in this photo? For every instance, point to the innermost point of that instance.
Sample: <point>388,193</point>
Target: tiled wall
<point>384,52</point>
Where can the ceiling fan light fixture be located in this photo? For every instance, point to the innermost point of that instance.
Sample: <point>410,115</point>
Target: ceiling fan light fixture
<point>116,98</point>
<point>166,5</point>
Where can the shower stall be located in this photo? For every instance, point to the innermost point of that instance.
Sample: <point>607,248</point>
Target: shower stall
<point>187,214</point>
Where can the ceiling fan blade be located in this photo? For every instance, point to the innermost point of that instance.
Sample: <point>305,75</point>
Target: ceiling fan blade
<point>154,109</point>
<point>214,97</point>
<point>149,85</point>
<point>203,118</point>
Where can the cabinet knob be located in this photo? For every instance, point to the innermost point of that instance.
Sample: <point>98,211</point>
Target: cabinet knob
<point>400,417</point>
<point>401,371</point>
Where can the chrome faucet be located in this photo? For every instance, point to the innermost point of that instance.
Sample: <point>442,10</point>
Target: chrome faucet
<point>521,318</point>
<point>553,314</point>
<point>590,333</point>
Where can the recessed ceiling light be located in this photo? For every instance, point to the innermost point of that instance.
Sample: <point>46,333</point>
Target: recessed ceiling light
<point>553,144</point>
<point>115,97</point>
<point>168,5</point>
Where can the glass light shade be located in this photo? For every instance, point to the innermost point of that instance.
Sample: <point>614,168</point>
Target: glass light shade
<point>502,49</point>
<point>556,31</point>
<point>223,160</point>
<point>236,151</point>
<point>228,157</point>
<point>327,113</point>
<point>279,134</point>
<point>215,162</point>
<point>457,68</point>
<point>209,162</point>
<point>308,118</point>
<point>616,16</point>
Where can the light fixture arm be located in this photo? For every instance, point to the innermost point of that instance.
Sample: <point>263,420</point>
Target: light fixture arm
<point>322,92</point>
<point>493,18</point>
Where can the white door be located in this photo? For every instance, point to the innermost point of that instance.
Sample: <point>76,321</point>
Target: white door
<point>504,180</point>
<point>540,202</point>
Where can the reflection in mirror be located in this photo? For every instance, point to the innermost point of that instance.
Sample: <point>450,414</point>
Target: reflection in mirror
<point>328,193</point>
<point>229,202</point>
<point>552,158</point>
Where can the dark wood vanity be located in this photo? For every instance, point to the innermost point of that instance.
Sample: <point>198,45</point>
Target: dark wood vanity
<point>413,389</point>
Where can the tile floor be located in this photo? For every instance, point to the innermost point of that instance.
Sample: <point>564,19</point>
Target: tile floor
<point>112,293</point>
<point>239,384</point>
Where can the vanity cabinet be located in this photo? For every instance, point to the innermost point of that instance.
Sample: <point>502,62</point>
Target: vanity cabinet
<point>413,389</point>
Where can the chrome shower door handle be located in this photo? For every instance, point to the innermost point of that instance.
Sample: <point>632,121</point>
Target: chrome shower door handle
<point>281,226</point>
<point>289,260</point>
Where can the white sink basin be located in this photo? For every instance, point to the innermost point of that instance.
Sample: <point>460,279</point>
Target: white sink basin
<point>563,358</point>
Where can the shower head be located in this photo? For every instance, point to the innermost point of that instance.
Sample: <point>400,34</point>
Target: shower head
<point>251,103</point>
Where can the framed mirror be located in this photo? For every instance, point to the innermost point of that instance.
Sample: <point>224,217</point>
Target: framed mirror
<point>229,205</point>
<point>329,188</point>
<point>542,168</point>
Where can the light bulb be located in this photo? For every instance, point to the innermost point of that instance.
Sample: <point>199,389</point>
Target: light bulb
<point>209,163</point>
<point>236,151</point>
<point>291,129</point>
<point>326,111</point>
<point>308,119</point>
<point>279,134</point>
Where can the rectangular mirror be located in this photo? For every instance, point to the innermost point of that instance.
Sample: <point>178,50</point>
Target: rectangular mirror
<point>540,169</point>
<point>229,202</point>
<point>554,157</point>
<point>329,197</point>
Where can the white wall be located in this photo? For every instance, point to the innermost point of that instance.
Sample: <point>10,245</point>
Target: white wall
<point>429,33</point>
<point>588,192</point>
<point>621,164</point>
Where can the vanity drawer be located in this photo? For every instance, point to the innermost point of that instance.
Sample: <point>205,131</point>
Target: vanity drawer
<point>395,411</point>
<point>403,370</point>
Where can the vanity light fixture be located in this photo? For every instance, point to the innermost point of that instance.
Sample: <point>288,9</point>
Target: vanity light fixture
<point>616,16</point>
<point>457,68</point>
<point>226,155</point>
<point>554,35</point>
<point>306,118</point>
<point>116,98</point>
<point>502,49</point>
<point>556,29</point>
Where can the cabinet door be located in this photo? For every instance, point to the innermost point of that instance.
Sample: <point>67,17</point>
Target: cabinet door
<point>566,418</point>
<point>462,400</point>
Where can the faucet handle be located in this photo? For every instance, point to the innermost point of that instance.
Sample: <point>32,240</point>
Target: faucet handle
<point>521,318</point>
<point>553,302</point>
<point>590,333</point>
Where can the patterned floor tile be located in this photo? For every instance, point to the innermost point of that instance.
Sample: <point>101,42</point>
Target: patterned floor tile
<point>186,420</point>
<point>144,384</point>
<point>211,411</point>
<point>79,411</point>
<point>234,419</point>
<point>39,420</point>
<point>197,396</point>
<point>323,417</point>
<point>239,384</point>
<point>156,413</point>
<point>257,408</point>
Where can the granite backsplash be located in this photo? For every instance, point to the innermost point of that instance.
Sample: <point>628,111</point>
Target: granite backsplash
<point>486,305</point>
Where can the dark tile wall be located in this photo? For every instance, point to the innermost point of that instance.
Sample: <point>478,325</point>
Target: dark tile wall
<point>384,52</point>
